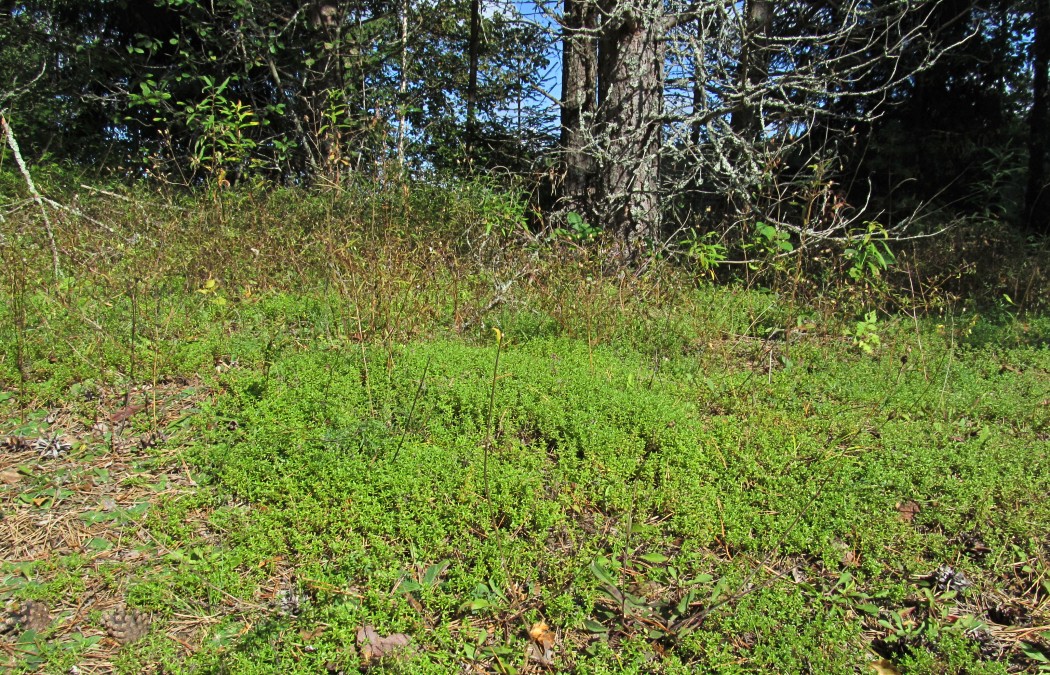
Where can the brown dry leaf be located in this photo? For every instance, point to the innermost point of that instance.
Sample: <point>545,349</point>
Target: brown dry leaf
<point>974,545</point>
<point>537,654</point>
<point>124,413</point>
<point>311,634</point>
<point>542,648</point>
<point>416,604</point>
<point>151,440</point>
<point>10,477</point>
<point>542,635</point>
<point>884,667</point>
<point>374,647</point>
<point>908,510</point>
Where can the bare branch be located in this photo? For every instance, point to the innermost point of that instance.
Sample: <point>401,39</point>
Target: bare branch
<point>13,144</point>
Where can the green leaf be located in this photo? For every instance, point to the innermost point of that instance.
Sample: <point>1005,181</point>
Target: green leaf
<point>225,634</point>
<point>655,558</point>
<point>594,627</point>
<point>868,608</point>
<point>410,586</point>
<point>602,574</point>
<point>92,517</point>
<point>767,231</point>
<point>434,572</point>
<point>475,604</point>
<point>99,544</point>
<point>83,641</point>
<point>1034,653</point>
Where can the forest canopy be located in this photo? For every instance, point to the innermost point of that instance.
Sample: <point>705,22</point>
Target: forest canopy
<point>637,117</point>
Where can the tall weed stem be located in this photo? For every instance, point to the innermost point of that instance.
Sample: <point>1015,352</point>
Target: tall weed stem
<point>412,410</point>
<point>489,440</point>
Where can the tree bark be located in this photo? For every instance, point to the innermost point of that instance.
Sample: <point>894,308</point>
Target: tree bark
<point>474,49</point>
<point>630,93</point>
<point>1037,193</point>
<point>402,88</point>
<point>578,104</point>
<point>754,68</point>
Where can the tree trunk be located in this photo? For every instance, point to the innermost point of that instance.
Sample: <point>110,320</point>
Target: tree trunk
<point>474,49</point>
<point>402,88</point>
<point>699,85</point>
<point>578,103</point>
<point>1037,193</point>
<point>630,92</point>
<point>754,68</point>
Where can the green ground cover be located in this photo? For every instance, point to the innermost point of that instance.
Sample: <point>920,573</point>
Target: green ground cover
<point>340,450</point>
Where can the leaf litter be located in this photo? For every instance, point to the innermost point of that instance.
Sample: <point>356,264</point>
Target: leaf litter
<point>375,647</point>
<point>76,488</point>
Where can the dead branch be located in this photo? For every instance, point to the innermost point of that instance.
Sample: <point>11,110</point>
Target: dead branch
<point>37,197</point>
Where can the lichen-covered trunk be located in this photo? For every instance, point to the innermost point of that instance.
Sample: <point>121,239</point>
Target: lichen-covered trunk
<point>631,58</point>
<point>753,70</point>
<point>579,101</point>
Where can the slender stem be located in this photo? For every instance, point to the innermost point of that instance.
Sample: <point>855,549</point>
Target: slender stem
<point>488,444</point>
<point>412,410</point>
<point>491,433</point>
<point>492,392</point>
<point>18,306</point>
<point>134,338</point>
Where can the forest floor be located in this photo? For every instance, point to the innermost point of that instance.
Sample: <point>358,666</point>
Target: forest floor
<point>406,458</point>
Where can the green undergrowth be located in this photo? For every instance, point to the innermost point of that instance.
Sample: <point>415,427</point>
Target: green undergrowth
<point>647,474</point>
<point>625,490</point>
<point>682,477</point>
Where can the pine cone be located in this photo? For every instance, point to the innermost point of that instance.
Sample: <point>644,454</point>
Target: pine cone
<point>17,443</point>
<point>51,447</point>
<point>291,602</point>
<point>126,625</point>
<point>31,615</point>
<point>152,439</point>
<point>945,578</point>
<point>9,621</point>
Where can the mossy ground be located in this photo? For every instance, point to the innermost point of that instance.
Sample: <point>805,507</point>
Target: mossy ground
<point>289,427</point>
